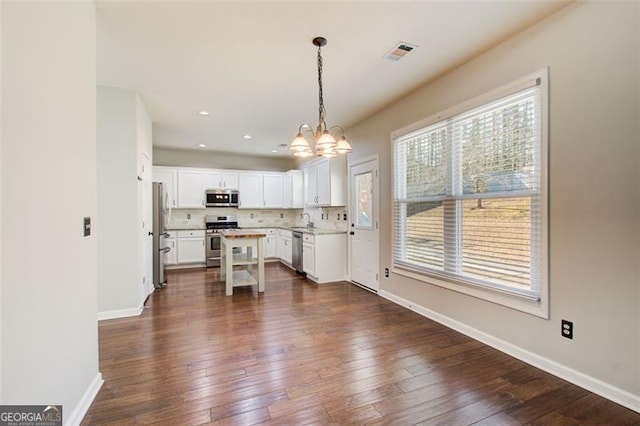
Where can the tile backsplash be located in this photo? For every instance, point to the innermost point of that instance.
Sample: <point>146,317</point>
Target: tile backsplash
<point>323,217</point>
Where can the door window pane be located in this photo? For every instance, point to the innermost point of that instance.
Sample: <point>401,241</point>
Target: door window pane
<point>364,197</point>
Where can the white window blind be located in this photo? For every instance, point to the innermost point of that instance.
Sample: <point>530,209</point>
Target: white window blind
<point>467,196</point>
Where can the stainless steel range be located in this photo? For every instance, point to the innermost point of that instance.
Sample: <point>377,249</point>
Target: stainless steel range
<point>214,225</point>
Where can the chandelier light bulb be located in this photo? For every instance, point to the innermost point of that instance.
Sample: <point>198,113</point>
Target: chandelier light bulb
<point>343,147</point>
<point>326,140</point>
<point>299,144</point>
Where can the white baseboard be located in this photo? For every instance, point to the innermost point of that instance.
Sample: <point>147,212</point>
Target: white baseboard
<point>120,313</point>
<point>589,383</point>
<point>76,416</point>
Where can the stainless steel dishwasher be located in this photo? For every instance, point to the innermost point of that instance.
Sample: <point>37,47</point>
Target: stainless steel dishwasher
<point>296,251</point>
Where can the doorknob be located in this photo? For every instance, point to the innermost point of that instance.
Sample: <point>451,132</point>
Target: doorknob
<point>150,233</point>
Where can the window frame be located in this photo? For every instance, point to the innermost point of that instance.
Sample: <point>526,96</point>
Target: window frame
<point>535,306</point>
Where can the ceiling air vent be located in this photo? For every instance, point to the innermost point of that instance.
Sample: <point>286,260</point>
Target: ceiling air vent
<point>399,51</point>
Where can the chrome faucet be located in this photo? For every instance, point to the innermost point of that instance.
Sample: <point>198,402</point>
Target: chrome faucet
<point>309,223</point>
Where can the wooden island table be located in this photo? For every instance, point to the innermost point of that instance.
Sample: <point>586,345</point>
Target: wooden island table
<point>248,239</point>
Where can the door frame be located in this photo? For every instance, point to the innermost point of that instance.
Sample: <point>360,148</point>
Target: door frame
<point>376,193</point>
<point>145,212</point>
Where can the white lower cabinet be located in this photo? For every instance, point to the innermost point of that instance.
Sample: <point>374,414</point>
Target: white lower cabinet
<point>308,257</point>
<point>171,257</point>
<point>191,247</point>
<point>324,257</point>
<point>283,249</point>
<point>270,243</point>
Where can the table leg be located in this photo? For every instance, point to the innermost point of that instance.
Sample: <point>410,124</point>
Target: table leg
<point>228,250</point>
<point>260,244</point>
<point>223,257</point>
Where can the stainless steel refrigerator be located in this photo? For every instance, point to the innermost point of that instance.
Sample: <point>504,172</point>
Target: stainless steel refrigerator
<point>159,249</point>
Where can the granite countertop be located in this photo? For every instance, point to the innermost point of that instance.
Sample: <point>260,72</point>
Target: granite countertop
<point>312,231</point>
<point>187,228</point>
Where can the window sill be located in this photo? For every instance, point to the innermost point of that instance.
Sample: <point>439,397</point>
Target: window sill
<point>539,308</point>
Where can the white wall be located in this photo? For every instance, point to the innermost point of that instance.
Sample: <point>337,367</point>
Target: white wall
<point>1,205</point>
<point>119,246</point>
<point>49,327</point>
<point>221,160</point>
<point>592,51</point>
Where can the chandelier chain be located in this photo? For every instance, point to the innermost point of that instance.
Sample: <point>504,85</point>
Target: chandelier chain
<point>321,110</point>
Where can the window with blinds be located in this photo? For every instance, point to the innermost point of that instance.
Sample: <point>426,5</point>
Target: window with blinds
<point>468,194</point>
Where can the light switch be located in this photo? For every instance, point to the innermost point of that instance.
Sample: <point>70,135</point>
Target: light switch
<point>87,226</point>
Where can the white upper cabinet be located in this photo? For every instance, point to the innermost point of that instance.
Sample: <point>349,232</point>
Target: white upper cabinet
<point>272,194</point>
<point>169,178</point>
<point>191,186</point>
<point>230,180</point>
<point>325,182</point>
<point>293,191</point>
<point>311,185</point>
<point>221,179</point>
<point>185,187</point>
<point>261,190</point>
<point>250,190</point>
<point>213,180</point>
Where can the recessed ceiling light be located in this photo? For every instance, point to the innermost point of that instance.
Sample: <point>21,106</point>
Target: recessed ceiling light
<point>204,113</point>
<point>247,136</point>
<point>274,150</point>
<point>202,145</point>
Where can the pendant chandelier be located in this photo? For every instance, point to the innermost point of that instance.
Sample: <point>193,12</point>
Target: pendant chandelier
<point>323,139</point>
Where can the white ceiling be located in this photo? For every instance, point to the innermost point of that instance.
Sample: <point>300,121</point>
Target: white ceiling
<point>253,67</point>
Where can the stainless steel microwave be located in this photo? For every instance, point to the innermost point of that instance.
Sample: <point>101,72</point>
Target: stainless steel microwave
<point>221,197</point>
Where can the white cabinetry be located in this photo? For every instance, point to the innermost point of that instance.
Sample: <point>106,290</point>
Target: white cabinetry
<point>324,257</point>
<point>250,190</point>
<point>325,182</point>
<point>260,190</point>
<point>185,187</point>
<point>191,246</point>
<point>270,243</point>
<point>283,250</point>
<point>272,186</point>
<point>308,255</point>
<point>171,257</point>
<point>191,189</point>
<point>221,179</point>
<point>293,190</point>
<point>169,178</point>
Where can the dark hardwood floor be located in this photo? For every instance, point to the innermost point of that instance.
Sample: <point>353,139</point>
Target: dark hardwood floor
<point>307,354</point>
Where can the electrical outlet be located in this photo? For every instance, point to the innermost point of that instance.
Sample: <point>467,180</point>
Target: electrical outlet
<point>322,216</point>
<point>338,218</point>
<point>386,272</point>
<point>281,215</point>
<point>188,215</point>
<point>567,329</point>
<point>344,216</point>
